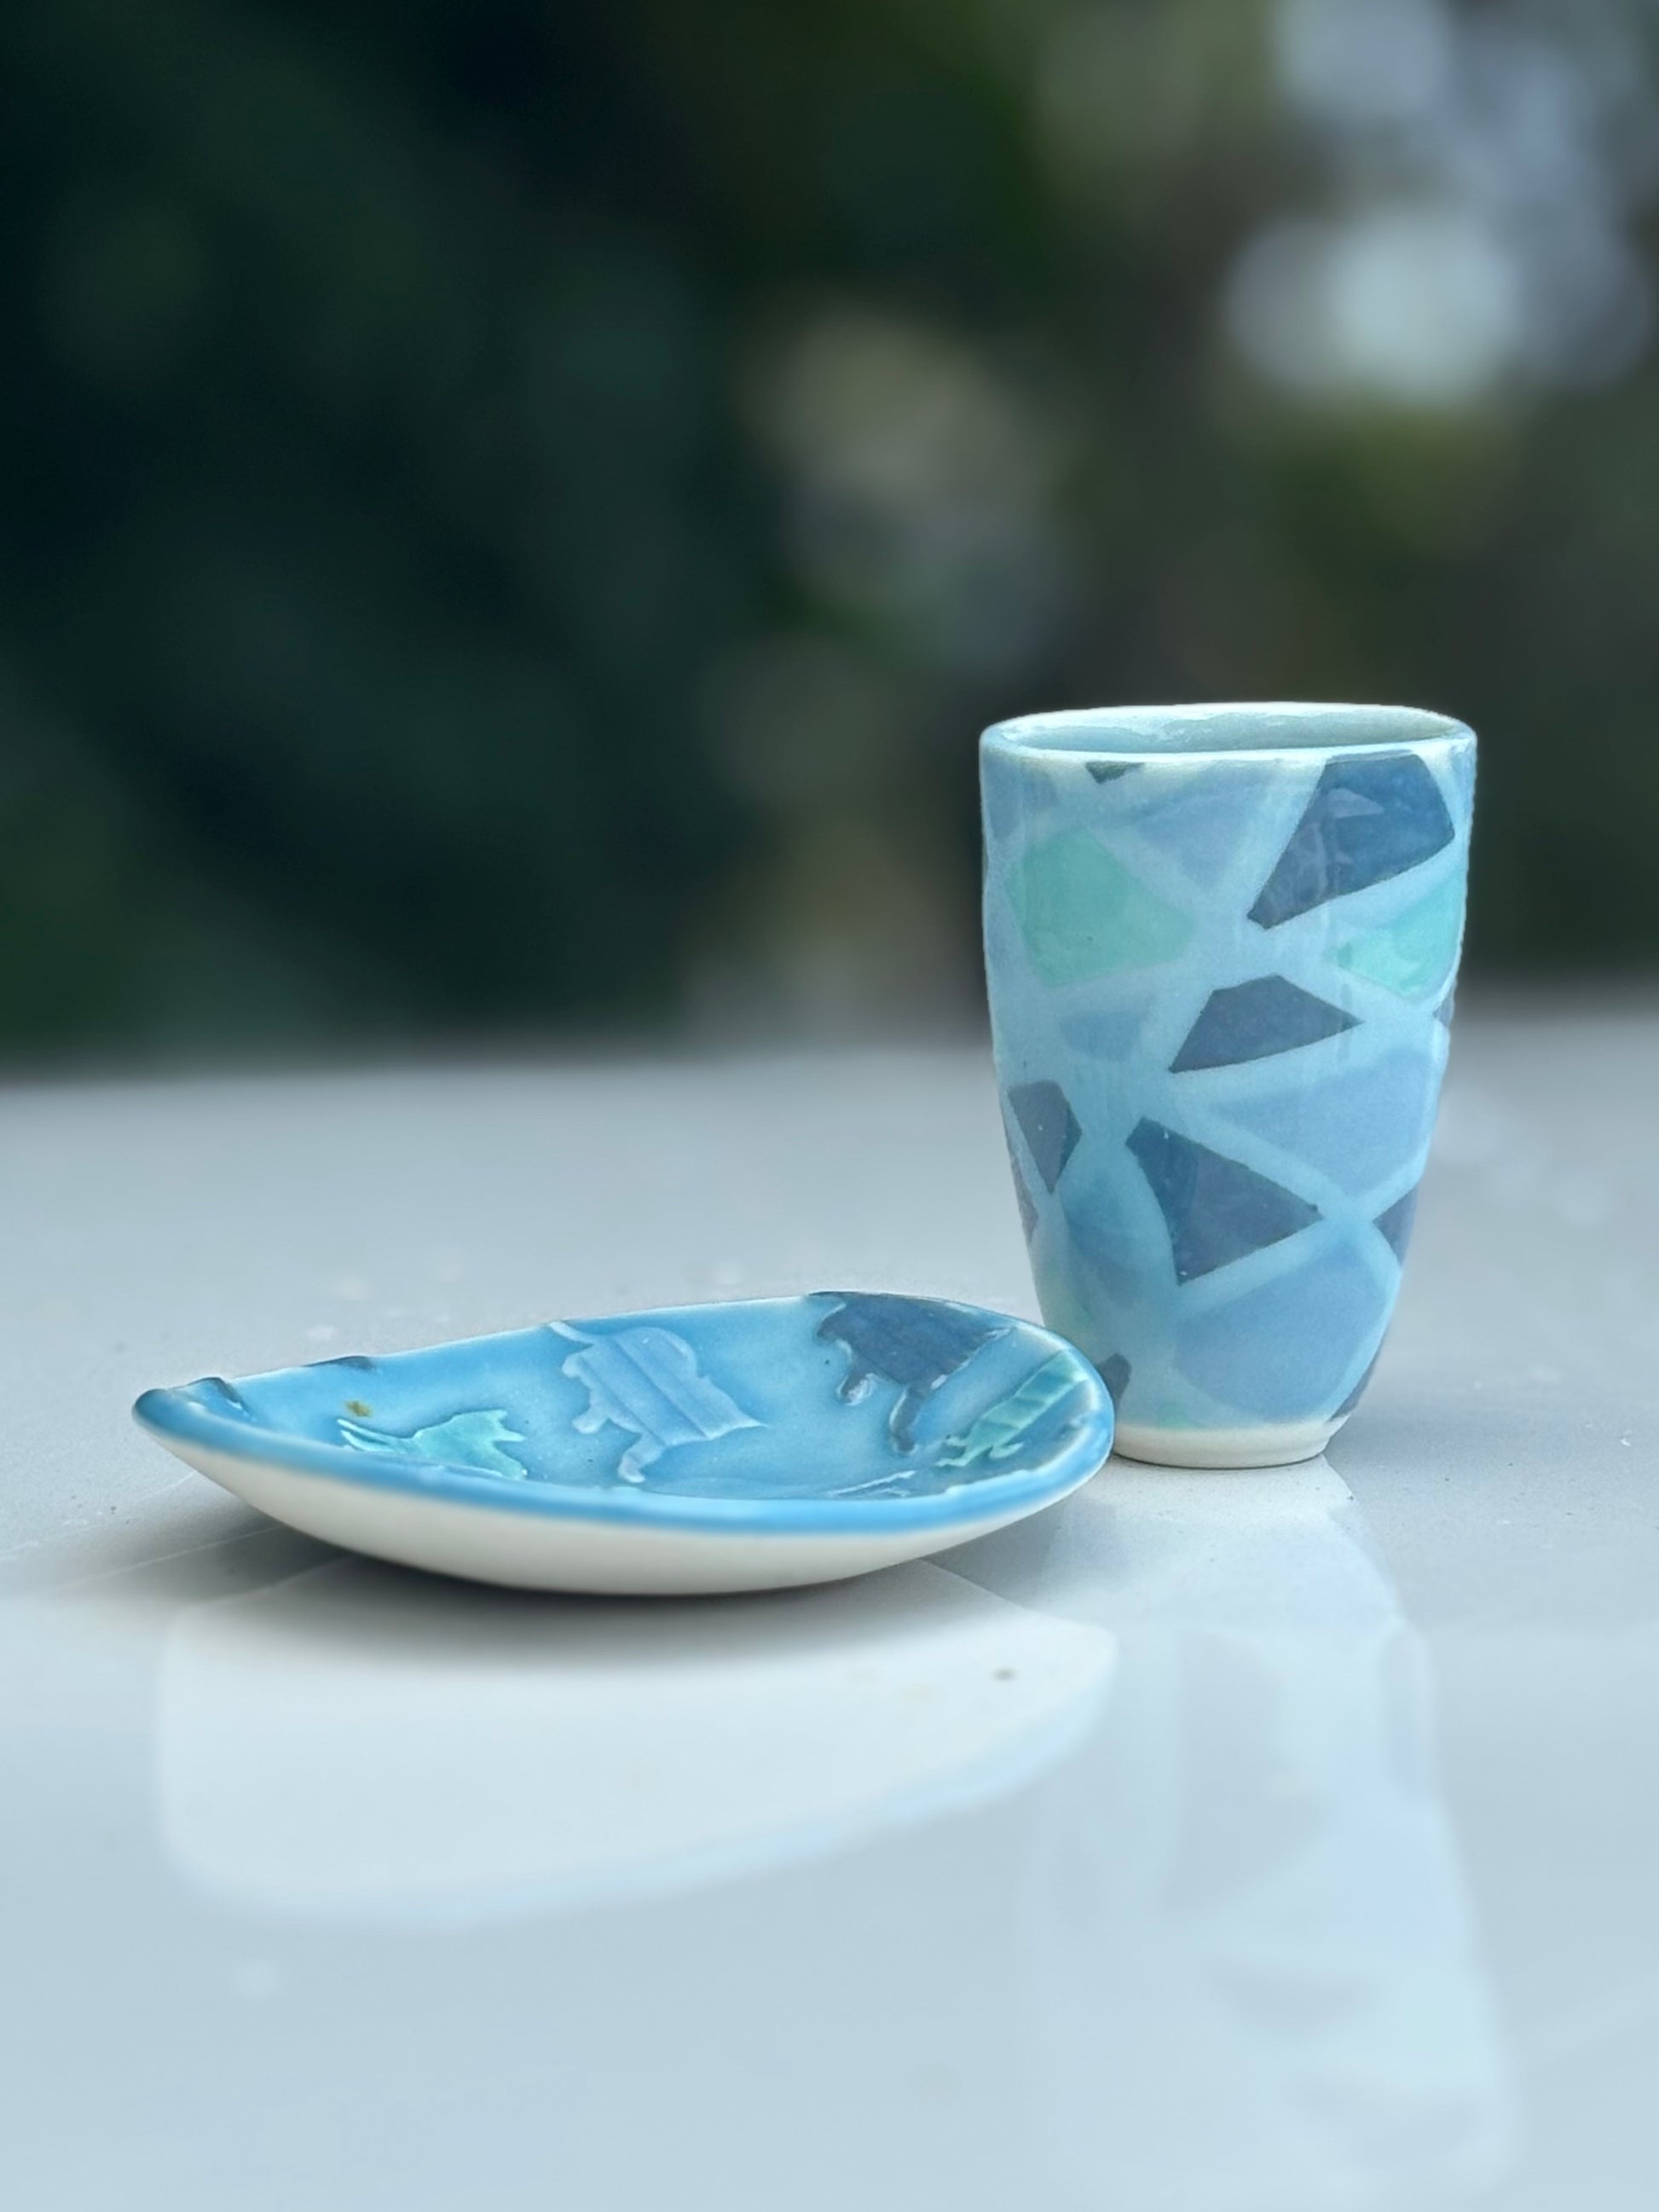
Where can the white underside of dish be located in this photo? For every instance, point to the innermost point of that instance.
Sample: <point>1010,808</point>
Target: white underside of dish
<point>1281,1446</point>
<point>557,1551</point>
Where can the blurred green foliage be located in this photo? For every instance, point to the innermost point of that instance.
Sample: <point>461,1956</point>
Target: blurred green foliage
<point>513,514</point>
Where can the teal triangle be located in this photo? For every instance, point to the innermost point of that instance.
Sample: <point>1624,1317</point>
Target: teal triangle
<point>1083,915</point>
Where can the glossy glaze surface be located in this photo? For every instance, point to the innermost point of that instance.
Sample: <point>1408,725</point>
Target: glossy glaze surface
<point>739,1445</point>
<point>1221,946</point>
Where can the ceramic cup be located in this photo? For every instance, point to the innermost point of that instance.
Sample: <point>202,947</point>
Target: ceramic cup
<point>1221,943</point>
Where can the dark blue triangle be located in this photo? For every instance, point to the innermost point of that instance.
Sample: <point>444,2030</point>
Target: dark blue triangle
<point>1395,1223</point>
<point>1114,1374</point>
<point>1369,818</point>
<point>1254,1020</point>
<point>1109,771</point>
<point>1044,1113</point>
<point>1217,1210</point>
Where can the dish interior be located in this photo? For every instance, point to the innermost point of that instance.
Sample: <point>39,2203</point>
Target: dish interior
<point>849,1396</point>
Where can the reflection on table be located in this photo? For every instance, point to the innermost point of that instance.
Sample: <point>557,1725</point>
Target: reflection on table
<point>363,1742</point>
<point>1249,1975</point>
<point>1183,1926</point>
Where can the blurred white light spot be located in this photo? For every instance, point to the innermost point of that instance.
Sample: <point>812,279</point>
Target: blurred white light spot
<point>1419,306</point>
<point>1359,61</point>
<point>1490,162</point>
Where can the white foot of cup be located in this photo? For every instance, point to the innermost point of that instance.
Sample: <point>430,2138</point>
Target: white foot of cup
<point>1225,1448</point>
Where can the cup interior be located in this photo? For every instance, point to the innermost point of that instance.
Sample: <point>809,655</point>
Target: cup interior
<point>1276,726</point>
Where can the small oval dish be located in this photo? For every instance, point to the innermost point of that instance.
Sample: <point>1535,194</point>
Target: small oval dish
<point>743,1446</point>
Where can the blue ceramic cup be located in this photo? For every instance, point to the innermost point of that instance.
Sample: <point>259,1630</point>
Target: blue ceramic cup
<point>1221,943</point>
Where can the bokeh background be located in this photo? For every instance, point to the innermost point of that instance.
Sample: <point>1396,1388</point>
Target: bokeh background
<point>512,513</point>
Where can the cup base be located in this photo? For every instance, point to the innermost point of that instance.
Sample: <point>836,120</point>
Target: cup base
<point>1281,1446</point>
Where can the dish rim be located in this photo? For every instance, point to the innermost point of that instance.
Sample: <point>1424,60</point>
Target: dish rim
<point>176,1419</point>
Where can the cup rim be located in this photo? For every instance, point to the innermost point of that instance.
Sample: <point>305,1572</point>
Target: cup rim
<point>1224,729</point>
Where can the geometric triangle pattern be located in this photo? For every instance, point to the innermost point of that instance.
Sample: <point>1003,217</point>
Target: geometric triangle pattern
<point>1395,1223</point>
<point>1287,1337</point>
<point>1083,915</point>
<point>1217,1209</point>
<point>1360,1127</point>
<point>1096,1217</point>
<point>1201,821</point>
<point>1369,818</point>
<point>1114,1373</point>
<point>1254,1020</point>
<point>1044,1113</point>
<point>1219,989</point>
<point>1414,954</point>
<point>1107,1034</point>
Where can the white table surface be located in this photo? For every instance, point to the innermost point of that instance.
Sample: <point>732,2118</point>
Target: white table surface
<point>1212,1843</point>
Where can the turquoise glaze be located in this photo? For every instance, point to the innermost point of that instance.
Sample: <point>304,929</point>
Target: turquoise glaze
<point>1221,944</point>
<point>842,1416</point>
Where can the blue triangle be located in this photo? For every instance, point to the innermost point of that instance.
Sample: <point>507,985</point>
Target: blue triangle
<point>1284,1350</point>
<point>1362,1127</point>
<point>1044,1113</point>
<point>1100,1243</point>
<point>1114,1373</point>
<point>1107,1034</point>
<point>1369,818</point>
<point>1395,1223</point>
<point>1217,1209</point>
<point>1202,820</point>
<point>1254,1020</point>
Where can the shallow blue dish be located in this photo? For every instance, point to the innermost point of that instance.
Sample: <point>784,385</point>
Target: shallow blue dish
<point>740,1446</point>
